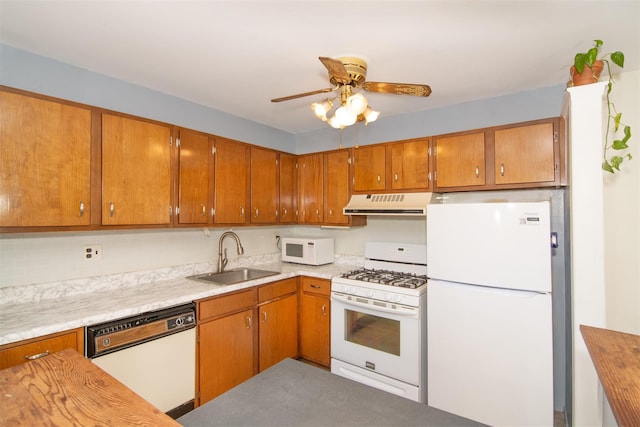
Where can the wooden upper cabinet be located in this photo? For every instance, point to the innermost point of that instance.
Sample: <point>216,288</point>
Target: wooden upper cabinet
<point>264,185</point>
<point>410,165</point>
<point>310,188</point>
<point>369,168</point>
<point>136,172</point>
<point>460,160</point>
<point>231,181</point>
<point>288,188</point>
<point>336,186</point>
<point>525,154</point>
<point>195,177</point>
<point>45,155</point>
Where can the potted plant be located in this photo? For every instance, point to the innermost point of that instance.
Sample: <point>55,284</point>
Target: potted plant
<point>581,76</point>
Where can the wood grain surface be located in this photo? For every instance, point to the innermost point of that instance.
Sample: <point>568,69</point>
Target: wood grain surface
<point>616,356</point>
<point>66,389</point>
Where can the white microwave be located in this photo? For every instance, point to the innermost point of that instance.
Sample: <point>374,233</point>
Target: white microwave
<point>307,250</point>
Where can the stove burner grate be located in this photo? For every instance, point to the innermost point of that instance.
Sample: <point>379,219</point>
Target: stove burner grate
<point>387,277</point>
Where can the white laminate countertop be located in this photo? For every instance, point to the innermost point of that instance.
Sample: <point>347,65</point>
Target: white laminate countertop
<point>77,303</point>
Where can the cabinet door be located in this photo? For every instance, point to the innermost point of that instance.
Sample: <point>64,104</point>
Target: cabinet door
<point>23,351</point>
<point>410,165</point>
<point>288,188</point>
<point>136,172</point>
<point>194,190</point>
<point>264,189</point>
<point>45,153</point>
<point>369,168</point>
<point>278,331</point>
<point>525,154</point>
<point>225,354</point>
<point>336,187</point>
<point>310,192</point>
<point>460,161</point>
<point>315,315</point>
<point>231,181</point>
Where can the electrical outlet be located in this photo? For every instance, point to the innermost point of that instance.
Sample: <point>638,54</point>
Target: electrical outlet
<point>92,252</point>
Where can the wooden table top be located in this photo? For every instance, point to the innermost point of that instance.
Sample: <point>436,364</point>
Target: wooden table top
<point>65,389</point>
<point>616,356</point>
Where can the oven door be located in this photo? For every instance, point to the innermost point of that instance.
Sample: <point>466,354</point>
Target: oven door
<point>378,336</point>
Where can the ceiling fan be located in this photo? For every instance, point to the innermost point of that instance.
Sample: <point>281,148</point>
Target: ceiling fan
<point>347,74</point>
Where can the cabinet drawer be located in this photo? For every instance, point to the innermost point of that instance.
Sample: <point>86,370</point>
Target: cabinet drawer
<point>316,286</point>
<point>218,306</point>
<point>17,353</point>
<point>277,289</point>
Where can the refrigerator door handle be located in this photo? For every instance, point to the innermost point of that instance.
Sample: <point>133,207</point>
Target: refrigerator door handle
<point>554,239</point>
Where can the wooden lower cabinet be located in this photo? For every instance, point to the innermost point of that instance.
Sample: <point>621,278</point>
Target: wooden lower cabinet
<point>315,320</point>
<point>243,333</point>
<point>20,352</point>
<point>225,351</point>
<point>278,326</point>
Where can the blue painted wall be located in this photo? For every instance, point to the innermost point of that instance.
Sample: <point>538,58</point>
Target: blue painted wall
<point>24,70</point>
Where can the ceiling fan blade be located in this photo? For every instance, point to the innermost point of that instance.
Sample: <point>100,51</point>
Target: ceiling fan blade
<point>336,69</point>
<point>301,95</point>
<point>397,88</point>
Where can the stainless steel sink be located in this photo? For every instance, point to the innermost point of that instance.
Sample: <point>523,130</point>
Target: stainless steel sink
<point>236,275</point>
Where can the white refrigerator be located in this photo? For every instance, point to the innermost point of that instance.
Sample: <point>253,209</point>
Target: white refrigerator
<point>489,314</point>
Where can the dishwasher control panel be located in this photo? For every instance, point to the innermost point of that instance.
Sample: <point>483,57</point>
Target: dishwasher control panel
<point>114,335</point>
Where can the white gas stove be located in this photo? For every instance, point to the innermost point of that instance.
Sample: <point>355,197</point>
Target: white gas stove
<point>378,320</point>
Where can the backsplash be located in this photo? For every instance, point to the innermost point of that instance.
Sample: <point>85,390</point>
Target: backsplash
<point>34,258</point>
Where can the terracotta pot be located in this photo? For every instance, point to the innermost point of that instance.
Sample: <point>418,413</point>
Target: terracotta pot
<point>589,74</point>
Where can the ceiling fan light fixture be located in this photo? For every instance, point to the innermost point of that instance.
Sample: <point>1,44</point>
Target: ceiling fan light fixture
<point>335,123</point>
<point>320,109</point>
<point>345,116</point>
<point>357,103</point>
<point>370,115</point>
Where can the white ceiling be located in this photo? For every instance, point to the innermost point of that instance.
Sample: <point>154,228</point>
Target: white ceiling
<point>235,56</point>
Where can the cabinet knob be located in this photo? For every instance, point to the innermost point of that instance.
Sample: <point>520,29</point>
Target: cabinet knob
<point>112,208</point>
<point>477,172</point>
<point>204,210</point>
<point>264,317</point>
<point>379,179</point>
<point>256,212</point>
<point>501,169</point>
<point>284,212</point>
<point>324,309</point>
<point>395,176</point>
<point>330,212</point>
<point>81,208</point>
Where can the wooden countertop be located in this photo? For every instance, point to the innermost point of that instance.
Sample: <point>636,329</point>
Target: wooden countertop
<point>616,356</point>
<point>65,389</point>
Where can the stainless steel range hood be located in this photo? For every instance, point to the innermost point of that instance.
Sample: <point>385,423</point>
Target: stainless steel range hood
<point>405,204</point>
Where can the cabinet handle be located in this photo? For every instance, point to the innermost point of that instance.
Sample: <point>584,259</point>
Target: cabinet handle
<point>241,210</point>
<point>256,212</point>
<point>37,356</point>
<point>501,169</point>
<point>264,317</point>
<point>330,211</point>
<point>477,172</point>
<point>317,213</point>
<point>316,286</point>
<point>81,208</point>
<point>284,212</point>
<point>324,309</point>
<point>204,210</point>
<point>395,176</point>
<point>248,322</point>
<point>112,208</point>
<point>379,179</point>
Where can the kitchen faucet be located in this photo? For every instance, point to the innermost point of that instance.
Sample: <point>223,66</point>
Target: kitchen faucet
<point>222,261</point>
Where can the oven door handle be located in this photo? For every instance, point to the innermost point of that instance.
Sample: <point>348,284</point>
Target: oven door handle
<point>341,298</point>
